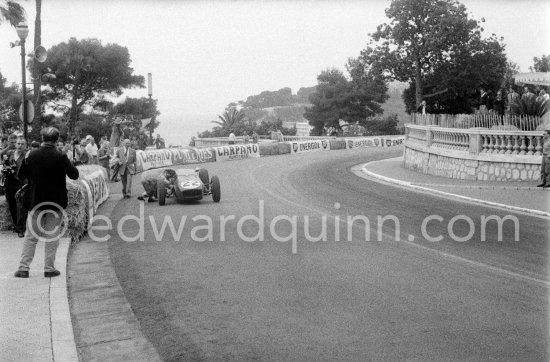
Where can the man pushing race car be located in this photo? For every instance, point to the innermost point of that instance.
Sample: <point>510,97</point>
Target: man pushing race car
<point>184,184</point>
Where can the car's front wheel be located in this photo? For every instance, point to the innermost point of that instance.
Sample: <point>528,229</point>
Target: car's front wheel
<point>161,192</point>
<point>216,190</point>
<point>203,176</point>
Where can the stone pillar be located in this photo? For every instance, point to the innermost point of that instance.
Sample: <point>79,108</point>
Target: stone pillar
<point>429,137</point>
<point>476,143</point>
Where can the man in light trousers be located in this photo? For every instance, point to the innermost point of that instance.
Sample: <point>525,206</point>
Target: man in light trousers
<point>46,170</point>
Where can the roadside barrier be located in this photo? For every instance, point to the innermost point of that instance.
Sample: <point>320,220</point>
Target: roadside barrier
<point>84,197</point>
<point>150,159</point>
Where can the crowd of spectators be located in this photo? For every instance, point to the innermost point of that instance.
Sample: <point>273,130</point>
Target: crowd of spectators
<point>502,102</point>
<point>14,151</point>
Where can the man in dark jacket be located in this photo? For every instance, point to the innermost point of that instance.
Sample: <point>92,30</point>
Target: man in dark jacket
<point>46,170</point>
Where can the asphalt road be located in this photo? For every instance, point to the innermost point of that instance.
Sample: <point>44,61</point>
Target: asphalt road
<point>395,296</point>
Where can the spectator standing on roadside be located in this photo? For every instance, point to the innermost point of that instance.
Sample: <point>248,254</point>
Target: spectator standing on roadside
<point>12,182</point>
<point>84,157</point>
<point>485,100</point>
<point>545,164</point>
<point>512,97</point>
<point>73,152</point>
<point>543,96</point>
<point>46,170</point>
<point>91,150</point>
<point>3,142</point>
<point>499,105</point>
<point>422,107</point>
<point>34,146</point>
<point>127,167</point>
<point>246,137</point>
<point>12,140</point>
<point>527,95</point>
<point>280,137</point>
<point>159,142</point>
<point>232,138</point>
<point>104,155</point>
<point>60,146</point>
<point>255,137</point>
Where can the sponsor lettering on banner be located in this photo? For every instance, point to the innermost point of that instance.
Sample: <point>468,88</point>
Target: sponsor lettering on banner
<point>173,156</point>
<point>182,156</point>
<point>153,159</point>
<point>309,146</point>
<point>373,142</point>
<point>96,187</point>
<point>237,152</point>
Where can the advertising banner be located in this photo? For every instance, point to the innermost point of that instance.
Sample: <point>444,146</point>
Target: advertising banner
<point>309,146</point>
<point>97,190</point>
<point>237,152</point>
<point>173,156</point>
<point>361,142</point>
<point>153,159</point>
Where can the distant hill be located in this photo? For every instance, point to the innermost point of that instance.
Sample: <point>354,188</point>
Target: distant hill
<point>282,104</point>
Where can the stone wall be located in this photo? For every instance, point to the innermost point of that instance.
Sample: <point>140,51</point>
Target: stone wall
<point>467,168</point>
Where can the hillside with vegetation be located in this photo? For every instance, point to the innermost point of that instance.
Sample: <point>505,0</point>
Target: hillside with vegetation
<point>281,109</point>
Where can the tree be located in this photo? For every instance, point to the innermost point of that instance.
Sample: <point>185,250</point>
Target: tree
<point>12,12</point>
<point>139,108</point>
<point>85,71</point>
<point>230,119</point>
<point>353,100</point>
<point>10,98</point>
<point>541,64</point>
<point>425,37</point>
<point>511,69</point>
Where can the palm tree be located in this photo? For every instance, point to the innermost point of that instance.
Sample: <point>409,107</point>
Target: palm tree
<point>11,12</point>
<point>230,118</point>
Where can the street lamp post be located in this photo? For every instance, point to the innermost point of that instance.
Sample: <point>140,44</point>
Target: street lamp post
<point>150,93</point>
<point>22,32</point>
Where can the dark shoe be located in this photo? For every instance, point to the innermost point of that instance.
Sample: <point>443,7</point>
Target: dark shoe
<point>140,198</point>
<point>540,185</point>
<point>152,199</point>
<point>50,274</point>
<point>545,186</point>
<point>21,274</point>
<point>21,234</point>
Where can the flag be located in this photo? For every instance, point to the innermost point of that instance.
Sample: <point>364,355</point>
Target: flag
<point>144,123</point>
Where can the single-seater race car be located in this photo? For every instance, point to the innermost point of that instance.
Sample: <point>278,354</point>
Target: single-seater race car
<point>188,185</point>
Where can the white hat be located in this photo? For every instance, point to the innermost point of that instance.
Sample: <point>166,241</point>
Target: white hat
<point>89,137</point>
<point>547,127</point>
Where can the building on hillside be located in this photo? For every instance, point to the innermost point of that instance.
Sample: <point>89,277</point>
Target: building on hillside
<point>302,128</point>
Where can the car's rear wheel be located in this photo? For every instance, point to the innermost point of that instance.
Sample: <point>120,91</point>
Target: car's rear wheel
<point>203,176</point>
<point>216,190</point>
<point>161,191</point>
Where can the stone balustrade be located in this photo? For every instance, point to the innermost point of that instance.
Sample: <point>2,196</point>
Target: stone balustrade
<point>306,138</point>
<point>215,142</point>
<point>474,153</point>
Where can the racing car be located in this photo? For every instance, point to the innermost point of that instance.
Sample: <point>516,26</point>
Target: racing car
<point>188,185</point>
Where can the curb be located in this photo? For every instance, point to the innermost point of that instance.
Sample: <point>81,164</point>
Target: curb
<point>374,176</point>
<point>61,328</point>
<point>104,322</point>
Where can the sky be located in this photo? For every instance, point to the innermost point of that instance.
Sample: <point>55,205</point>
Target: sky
<point>206,54</point>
